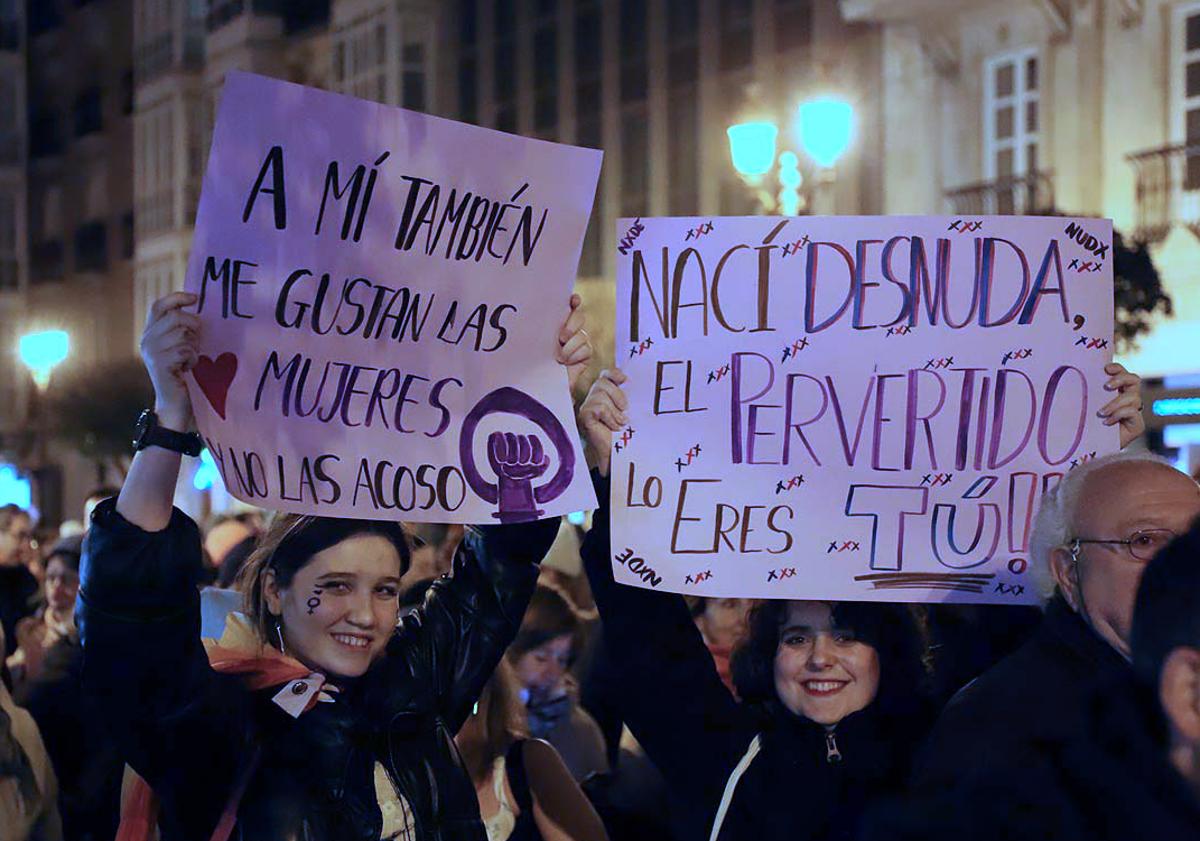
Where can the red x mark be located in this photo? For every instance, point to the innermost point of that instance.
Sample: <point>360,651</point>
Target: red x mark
<point>963,226</point>
<point>900,331</point>
<point>715,376</point>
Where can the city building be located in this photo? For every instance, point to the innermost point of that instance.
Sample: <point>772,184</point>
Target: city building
<point>1083,107</point>
<point>66,212</point>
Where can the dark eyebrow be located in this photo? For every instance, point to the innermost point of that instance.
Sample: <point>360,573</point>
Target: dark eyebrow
<point>789,628</point>
<point>330,575</point>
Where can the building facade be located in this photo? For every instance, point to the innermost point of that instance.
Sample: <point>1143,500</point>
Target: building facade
<point>66,213</point>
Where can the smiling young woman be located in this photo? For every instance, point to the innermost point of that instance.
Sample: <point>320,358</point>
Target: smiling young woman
<point>319,714</point>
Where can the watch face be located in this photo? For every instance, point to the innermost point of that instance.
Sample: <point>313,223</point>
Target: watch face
<point>145,422</point>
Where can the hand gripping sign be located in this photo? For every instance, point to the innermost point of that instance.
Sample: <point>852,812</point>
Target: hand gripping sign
<point>373,288</point>
<point>853,408</point>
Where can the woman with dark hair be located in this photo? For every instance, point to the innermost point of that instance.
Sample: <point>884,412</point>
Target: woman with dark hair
<point>541,656</point>
<point>315,717</point>
<point>525,791</point>
<point>832,703</point>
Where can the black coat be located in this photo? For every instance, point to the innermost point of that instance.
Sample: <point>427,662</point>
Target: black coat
<point>696,732</point>
<point>1110,781</point>
<point>191,733</point>
<point>1005,719</point>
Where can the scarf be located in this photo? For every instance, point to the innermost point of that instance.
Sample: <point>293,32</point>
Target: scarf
<point>238,652</point>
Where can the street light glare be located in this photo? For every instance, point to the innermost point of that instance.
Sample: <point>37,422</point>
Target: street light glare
<point>825,126</point>
<point>752,147</point>
<point>41,352</point>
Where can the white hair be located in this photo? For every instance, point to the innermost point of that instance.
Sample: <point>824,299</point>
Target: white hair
<point>1054,525</point>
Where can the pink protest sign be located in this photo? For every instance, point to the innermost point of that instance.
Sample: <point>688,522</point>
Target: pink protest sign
<point>853,408</point>
<point>381,293</point>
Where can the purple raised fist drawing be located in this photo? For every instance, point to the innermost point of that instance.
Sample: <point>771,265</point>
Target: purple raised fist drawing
<point>517,461</point>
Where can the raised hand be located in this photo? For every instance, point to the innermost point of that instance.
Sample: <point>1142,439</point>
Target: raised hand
<point>517,460</point>
<point>1126,408</point>
<point>169,351</point>
<point>574,346</point>
<point>602,414</point>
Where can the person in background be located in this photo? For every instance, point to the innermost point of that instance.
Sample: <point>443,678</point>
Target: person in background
<point>541,656</point>
<point>1131,768</point>
<point>47,672</point>
<point>18,586</point>
<point>1092,538</point>
<point>831,704</point>
<point>525,791</point>
<point>228,541</point>
<point>722,624</point>
<point>54,620</point>
<point>28,786</point>
<point>94,498</point>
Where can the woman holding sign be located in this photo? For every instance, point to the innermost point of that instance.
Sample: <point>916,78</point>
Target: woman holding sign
<point>832,705</point>
<point>315,716</point>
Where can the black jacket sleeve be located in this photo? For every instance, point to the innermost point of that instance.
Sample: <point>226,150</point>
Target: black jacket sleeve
<point>454,641</point>
<point>671,696</point>
<point>138,613</point>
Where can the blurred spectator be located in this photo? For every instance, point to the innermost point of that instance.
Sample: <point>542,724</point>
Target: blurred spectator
<point>722,624</point>
<point>94,498</point>
<point>28,786</point>
<point>54,619</point>
<point>541,654</point>
<point>18,586</point>
<point>47,672</point>
<point>228,542</point>
<point>1093,536</point>
<point>525,791</point>
<point>434,546</point>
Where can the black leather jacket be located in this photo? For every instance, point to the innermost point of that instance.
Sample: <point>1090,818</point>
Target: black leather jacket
<point>192,733</point>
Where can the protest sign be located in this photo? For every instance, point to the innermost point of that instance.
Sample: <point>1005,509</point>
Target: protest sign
<point>853,408</point>
<point>381,293</point>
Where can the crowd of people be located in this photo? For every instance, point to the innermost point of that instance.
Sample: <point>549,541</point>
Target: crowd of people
<point>278,676</point>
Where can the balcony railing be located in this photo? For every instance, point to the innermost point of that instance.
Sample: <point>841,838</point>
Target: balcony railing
<point>1168,190</point>
<point>1009,196</point>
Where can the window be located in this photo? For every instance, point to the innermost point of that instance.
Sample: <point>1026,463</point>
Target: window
<point>468,94</point>
<point>1011,124</point>
<point>737,33</point>
<point>360,59</point>
<point>633,50</point>
<point>635,154</point>
<point>793,24</point>
<point>545,75</point>
<point>89,114</point>
<point>1186,83</point>
<point>412,79</point>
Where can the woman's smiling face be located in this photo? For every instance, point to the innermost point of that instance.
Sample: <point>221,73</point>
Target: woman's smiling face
<point>341,607</point>
<point>821,671</point>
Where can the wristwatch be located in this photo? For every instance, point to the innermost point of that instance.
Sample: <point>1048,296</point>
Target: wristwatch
<point>150,434</point>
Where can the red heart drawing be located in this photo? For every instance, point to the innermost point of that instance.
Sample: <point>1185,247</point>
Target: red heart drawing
<point>214,378</point>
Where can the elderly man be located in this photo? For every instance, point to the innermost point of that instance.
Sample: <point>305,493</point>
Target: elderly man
<point>1093,537</point>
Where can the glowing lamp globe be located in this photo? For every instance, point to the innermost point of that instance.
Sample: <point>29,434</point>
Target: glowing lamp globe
<point>41,352</point>
<point>752,148</point>
<point>825,127</point>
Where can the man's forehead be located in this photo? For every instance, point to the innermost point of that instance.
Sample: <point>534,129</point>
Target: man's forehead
<point>1137,491</point>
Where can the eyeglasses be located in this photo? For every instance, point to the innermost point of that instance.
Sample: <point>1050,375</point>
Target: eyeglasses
<point>1143,544</point>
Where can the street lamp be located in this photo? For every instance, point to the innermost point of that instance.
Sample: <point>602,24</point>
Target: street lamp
<point>824,128</point>
<point>42,352</point>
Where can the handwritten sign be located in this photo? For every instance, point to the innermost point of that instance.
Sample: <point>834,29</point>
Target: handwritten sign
<point>381,293</point>
<point>853,408</point>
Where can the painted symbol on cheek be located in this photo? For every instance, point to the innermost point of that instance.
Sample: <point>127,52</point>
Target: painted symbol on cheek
<point>314,602</point>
